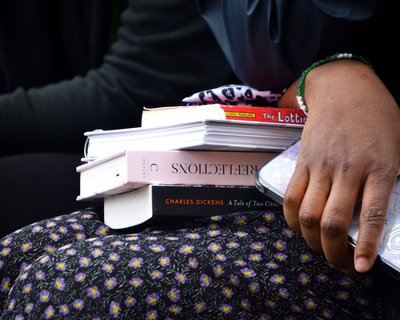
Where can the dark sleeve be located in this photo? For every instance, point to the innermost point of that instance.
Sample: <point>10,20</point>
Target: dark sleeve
<point>269,42</point>
<point>164,52</point>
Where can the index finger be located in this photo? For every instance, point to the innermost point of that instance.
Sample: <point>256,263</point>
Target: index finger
<point>336,220</point>
<point>375,203</point>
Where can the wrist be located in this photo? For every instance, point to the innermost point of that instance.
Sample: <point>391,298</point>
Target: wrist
<point>341,58</point>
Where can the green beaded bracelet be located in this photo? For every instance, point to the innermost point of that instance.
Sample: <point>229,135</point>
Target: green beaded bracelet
<point>338,56</point>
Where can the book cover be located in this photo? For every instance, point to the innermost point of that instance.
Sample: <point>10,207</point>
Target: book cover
<point>152,117</point>
<point>199,135</point>
<point>135,207</point>
<point>133,169</point>
<point>273,178</point>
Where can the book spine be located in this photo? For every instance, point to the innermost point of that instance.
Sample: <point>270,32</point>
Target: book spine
<point>195,201</point>
<point>265,114</point>
<point>135,169</point>
<point>196,167</point>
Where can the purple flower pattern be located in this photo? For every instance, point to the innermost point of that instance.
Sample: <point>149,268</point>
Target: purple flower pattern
<point>248,265</point>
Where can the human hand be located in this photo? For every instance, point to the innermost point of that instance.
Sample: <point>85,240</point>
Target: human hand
<point>350,149</point>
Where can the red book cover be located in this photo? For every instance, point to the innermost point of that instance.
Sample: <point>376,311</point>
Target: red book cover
<point>265,114</point>
<point>177,114</point>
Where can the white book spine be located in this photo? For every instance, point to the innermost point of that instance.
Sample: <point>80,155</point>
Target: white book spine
<point>134,169</point>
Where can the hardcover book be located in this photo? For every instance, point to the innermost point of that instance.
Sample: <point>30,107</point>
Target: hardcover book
<point>152,117</point>
<point>135,207</point>
<point>229,135</point>
<point>132,169</point>
<point>273,178</point>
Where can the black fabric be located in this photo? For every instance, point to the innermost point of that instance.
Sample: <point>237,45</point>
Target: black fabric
<point>36,186</point>
<point>58,79</point>
<point>245,265</point>
<point>158,59</point>
<point>269,43</point>
<point>389,281</point>
<point>47,41</point>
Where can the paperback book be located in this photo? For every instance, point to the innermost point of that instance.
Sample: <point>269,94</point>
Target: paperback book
<point>135,207</point>
<point>133,169</point>
<point>153,117</point>
<point>273,178</point>
<point>229,135</point>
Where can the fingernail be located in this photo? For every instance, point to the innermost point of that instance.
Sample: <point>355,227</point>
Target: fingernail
<point>362,264</point>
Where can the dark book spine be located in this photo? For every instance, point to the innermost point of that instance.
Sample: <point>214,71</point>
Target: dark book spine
<point>195,201</point>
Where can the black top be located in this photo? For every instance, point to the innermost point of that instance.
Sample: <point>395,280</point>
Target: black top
<point>164,52</point>
<point>269,43</point>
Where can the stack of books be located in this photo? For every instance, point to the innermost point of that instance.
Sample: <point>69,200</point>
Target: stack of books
<point>187,161</point>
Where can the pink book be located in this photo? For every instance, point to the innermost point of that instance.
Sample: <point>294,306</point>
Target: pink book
<point>132,169</point>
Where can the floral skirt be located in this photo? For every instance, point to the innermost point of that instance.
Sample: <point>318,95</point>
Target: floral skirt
<point>246,265</point>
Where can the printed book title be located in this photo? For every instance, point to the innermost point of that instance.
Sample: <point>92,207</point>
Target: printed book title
<point>220,202</point>
<point>290,118</point>
<point>214,169</point>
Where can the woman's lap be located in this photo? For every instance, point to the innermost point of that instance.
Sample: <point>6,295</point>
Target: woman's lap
<point>245,265</point>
